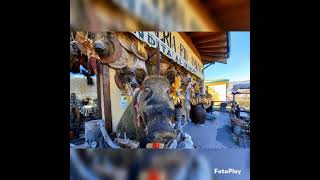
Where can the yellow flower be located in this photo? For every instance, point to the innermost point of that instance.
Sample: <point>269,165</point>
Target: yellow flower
<point>176,91</point>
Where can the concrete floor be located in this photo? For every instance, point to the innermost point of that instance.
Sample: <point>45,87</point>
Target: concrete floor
<point>214,134</point>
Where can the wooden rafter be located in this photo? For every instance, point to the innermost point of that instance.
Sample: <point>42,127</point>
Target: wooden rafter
<point>213,44</point>
<point>211,38</point>
<point>220,50</point>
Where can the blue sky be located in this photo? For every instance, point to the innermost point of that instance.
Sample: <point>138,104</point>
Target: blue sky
<point>238,66</point>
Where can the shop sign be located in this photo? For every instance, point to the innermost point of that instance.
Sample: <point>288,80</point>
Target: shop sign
<point>171,52</point>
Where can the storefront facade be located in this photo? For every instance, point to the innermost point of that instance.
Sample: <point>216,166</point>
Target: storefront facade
<point>185,53</point>
<point>175,52</point>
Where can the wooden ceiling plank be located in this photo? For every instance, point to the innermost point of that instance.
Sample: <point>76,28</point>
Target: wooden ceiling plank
<point>211,58</point>
<point>221,60</point>
<point>201,34</point>
<point>207,39</point>
<point>213,54</point>
<point>213,44</point>
<point>209,50</point>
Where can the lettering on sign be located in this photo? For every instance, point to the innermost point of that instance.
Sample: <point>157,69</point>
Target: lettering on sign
<point>168,46</point>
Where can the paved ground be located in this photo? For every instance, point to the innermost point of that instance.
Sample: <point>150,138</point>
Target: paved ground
<point>214,134</point>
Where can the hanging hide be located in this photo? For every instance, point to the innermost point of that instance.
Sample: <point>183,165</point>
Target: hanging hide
<point>85,45</point>
<point>92,65</point>
<point>122,61</point>
<point>125,41</point>
<point>138,48</point>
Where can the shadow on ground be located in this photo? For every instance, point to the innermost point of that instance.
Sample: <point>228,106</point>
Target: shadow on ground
<point>224,136</point>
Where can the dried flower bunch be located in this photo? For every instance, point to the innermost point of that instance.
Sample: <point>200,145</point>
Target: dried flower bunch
<point>86,45</point>
<point>176,94</point>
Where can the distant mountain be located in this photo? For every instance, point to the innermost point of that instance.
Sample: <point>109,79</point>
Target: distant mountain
<point>239,84</point>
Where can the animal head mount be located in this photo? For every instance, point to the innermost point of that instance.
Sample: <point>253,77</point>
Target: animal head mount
<point>103,44</point>
<point>128,77</point>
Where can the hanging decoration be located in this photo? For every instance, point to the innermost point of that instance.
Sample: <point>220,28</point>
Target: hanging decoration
<point>86,45</point>
<point>122,61</point>
<point>195,91</point>
<point>138,48</point>
<point>111,48</point>
<point>176,90</point>
<point>125,41</point>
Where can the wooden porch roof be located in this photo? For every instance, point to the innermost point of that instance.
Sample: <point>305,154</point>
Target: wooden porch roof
<point>211,46</point>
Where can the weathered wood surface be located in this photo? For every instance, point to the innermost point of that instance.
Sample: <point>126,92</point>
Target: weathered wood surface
<point>106,97</point>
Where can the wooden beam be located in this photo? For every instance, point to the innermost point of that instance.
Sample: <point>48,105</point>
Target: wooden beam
<point>99,90</point>
<point>106,97</point>
<point>224,61</point>
<point>215,54</point>
<point>207,39</point>
<point>214,59</point>
<point>213,44</point>
<point>211,58</point>
<point>213,50</point>
<point>202,34</point>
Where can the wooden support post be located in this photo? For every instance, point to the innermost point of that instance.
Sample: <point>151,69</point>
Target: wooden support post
<point>106,97</point>
<point>98,83</point>
<point>103,85</point>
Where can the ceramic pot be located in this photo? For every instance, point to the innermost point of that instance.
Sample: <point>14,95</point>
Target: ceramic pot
<point>198,114</point>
